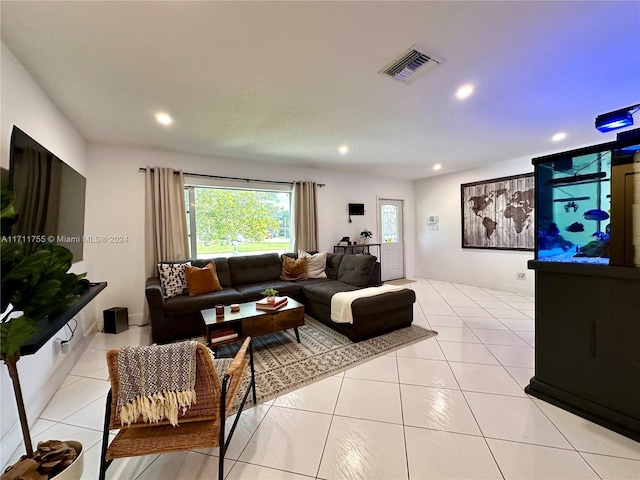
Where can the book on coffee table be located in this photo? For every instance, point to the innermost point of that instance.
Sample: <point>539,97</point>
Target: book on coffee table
<point>279,302</point>
<point>222,335</point>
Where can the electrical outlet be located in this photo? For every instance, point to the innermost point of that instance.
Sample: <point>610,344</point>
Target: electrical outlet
<point>57,345</point>
<point>521,276</point>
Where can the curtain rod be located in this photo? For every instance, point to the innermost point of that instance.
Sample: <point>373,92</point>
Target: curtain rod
<point>204,175</point>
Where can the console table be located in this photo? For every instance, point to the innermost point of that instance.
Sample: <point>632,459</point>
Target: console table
<point>357,248</point>
<point>47,328</point>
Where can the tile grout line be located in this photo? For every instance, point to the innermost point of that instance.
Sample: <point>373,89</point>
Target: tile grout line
<point>475,418</point>
<point>333,415</point>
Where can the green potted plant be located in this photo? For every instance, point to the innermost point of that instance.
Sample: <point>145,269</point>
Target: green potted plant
<point>270,293</point>
<point>33,287</point>
<point>366,235</point>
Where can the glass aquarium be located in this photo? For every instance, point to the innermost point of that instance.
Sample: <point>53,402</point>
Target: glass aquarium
<point>575,208</point>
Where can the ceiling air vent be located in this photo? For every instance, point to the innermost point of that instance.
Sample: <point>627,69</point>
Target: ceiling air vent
<point>410,65</point>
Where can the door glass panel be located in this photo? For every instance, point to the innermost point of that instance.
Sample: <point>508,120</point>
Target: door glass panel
<point>389,223</point>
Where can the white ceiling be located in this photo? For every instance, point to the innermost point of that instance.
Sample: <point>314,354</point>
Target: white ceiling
<point>289,82</point>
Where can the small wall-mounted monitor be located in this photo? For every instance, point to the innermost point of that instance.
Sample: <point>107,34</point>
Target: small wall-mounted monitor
<point>356,209</point>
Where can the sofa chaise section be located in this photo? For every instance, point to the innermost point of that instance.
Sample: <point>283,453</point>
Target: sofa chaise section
<point>371,315</point>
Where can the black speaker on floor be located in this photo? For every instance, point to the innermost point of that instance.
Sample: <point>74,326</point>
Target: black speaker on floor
<point>116,319</point>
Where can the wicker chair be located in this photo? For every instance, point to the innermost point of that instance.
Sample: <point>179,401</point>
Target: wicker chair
<point>202,426</point>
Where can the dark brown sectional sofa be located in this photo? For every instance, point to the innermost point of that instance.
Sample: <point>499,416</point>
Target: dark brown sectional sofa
<point>243,278</point>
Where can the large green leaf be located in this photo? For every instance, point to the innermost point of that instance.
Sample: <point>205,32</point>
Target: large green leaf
<point>30,266</point>
<point>10,251</point>
<point>41,295</point>
<point>8,214</point>
<point>60,259</point>
<point>13,333</point>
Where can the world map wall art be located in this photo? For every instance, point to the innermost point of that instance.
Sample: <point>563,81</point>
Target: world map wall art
<point>499,213</point>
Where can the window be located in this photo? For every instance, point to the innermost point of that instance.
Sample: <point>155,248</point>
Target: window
<point>226,221</point>
<point>389,223</point>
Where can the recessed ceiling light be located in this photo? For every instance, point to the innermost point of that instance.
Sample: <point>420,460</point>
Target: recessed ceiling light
<point>464,91</point>
<point>343,149</point>
<point>164,118</point>
<point>437,166</point>
<point>559,136</point>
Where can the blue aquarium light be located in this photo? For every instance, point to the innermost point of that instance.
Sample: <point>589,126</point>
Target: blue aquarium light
<point>617,119</point>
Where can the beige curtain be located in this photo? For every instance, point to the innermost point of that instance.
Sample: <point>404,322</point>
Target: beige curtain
<point>166,237</point>
<point>305,216</point>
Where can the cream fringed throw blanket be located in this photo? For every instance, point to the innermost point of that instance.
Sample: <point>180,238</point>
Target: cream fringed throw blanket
<point>156,382</point>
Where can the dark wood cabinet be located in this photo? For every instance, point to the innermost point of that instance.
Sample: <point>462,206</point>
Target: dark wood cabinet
<point>588,342</point>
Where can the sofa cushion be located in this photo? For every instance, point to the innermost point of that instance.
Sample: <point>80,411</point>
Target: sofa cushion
<point>294,269</point>
<point>356,269</point>
<point>322,292</point>
<point>201,280</point>
<point>333,264</point>
<point>254,268</point>
<point>312,281</point>
<point>222,269</point>
<point>172,278</point>
<point>316,263</point>
<point>184,304</point>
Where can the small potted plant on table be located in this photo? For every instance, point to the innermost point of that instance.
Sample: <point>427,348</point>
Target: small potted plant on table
<point>270,293</point>
<point>366,235</point>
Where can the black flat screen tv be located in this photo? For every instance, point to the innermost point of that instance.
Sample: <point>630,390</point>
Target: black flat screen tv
<point>49,197</point>
<point>356,209</point>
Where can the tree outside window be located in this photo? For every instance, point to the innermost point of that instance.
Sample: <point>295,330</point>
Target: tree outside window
<point>226,222</point>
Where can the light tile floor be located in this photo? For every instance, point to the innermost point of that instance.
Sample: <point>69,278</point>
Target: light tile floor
<point>449,407</point>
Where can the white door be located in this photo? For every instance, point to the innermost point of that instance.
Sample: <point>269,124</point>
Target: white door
<point>391,239</point>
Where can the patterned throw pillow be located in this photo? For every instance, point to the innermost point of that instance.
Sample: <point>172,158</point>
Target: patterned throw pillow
<point>316,263</point>
<point>172,279</point>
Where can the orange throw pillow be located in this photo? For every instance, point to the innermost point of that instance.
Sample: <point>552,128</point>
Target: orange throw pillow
<point>202,280</point>
<point>293,269</point>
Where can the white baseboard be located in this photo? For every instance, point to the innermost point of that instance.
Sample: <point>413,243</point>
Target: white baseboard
<point>93,329</point>
<point>137,319</point>
<point>523,288</point>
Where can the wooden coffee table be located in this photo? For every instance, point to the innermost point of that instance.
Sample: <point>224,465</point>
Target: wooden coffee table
<point>251,322</point>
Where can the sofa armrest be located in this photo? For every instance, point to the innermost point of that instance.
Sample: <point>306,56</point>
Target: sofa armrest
<point>155,299</point>
<point>375,277</point>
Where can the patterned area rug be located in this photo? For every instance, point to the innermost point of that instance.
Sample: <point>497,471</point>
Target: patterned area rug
<point>283,365</point>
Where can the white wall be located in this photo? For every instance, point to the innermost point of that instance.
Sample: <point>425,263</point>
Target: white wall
<point>115,206</point>
<point>439,254</point>
<point>25,105</point>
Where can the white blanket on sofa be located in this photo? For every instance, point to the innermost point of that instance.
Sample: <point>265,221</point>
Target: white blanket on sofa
<point>341,301</point>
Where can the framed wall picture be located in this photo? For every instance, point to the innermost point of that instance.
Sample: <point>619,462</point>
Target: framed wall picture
<point>499,213</point>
